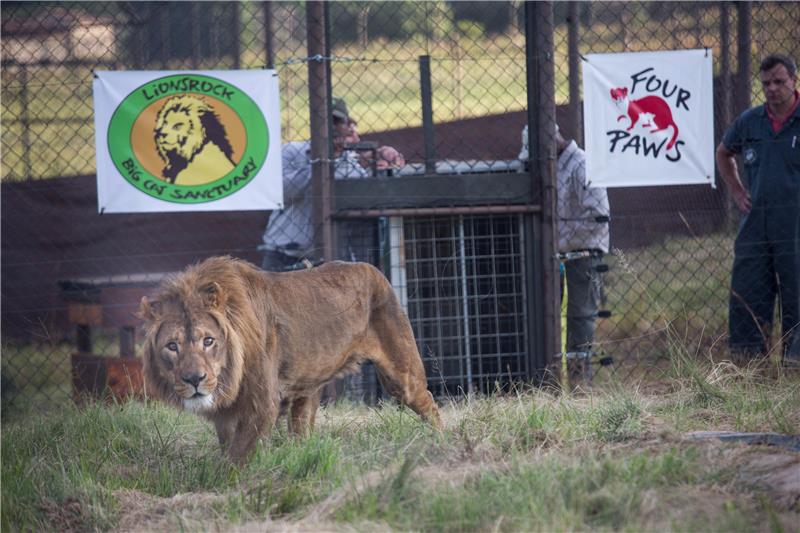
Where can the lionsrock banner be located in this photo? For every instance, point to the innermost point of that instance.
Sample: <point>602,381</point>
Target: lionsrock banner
<point>649,118</point>
<point>187,141</point>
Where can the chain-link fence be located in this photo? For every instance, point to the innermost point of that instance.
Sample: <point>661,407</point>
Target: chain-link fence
<point>445,85</point>
<point>668,283</point>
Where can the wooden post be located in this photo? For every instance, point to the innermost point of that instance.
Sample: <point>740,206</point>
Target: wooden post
<point>319,94</point>
<point>319,105</point>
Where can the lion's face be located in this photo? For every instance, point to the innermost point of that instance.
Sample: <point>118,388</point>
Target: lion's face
<point>179,131</point>
<point>188,355</point>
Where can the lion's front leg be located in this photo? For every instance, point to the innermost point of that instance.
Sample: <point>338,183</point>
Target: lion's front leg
<point>257,410</point>
<point>225,428</point>
<point>250,428</point>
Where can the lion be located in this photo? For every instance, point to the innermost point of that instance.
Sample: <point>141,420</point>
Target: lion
<point>236,344</point>
<point>191,140</point>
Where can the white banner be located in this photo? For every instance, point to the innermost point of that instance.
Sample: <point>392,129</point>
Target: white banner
<point>649,118</point>
<point>187,141</point>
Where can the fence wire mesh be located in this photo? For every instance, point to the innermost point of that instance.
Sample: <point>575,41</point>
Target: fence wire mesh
<point>668,283</point>
<point>444,84</point>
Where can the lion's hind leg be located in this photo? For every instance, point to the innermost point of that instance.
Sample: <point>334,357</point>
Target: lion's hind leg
<point>303,413</point>
<point>410,391</point>
<point>401,372</point>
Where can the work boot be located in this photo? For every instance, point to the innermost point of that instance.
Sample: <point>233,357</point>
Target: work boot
<point>579,373</point>
<point>790,362</point>
<point>747,357</point>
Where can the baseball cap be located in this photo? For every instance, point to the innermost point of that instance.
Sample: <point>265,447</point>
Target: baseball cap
<point>339,109</point>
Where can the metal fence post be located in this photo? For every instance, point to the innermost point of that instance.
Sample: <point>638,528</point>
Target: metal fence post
<point>725,61</point>
<point>725,100</point>
<point>573,40</point>
<point>25,122</point>
<point>744,35</point>
<point>194,34</point>
<point>426,94</point>
<point>268,34</point>
<point>237,35</point>
<point>318,93</point>
<point>541,127</point>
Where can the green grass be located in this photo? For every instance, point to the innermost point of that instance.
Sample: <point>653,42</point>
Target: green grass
<point>535,460</point>
<point>682,279</point>
<point>39,374</point>
<point>674,291</point>
<point>591,490</point>
<point>35,376</point>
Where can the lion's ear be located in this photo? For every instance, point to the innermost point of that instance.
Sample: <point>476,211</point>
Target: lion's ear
<point>148,310</point>
<point>213,295</point>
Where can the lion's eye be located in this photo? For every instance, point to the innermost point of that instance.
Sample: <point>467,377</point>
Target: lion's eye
<point>208,341</point>
<point>172,346</point>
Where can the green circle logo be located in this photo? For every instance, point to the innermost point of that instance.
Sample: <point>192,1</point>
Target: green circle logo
<point>188,138</point>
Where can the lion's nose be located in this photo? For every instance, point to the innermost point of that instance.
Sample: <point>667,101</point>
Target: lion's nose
<point>193,379</point>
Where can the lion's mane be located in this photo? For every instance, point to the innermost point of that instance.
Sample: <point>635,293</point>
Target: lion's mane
<point>204,127</point>
<point>217,289</point>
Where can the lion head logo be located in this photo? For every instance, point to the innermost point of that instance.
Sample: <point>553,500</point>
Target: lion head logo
<point>192,142</point>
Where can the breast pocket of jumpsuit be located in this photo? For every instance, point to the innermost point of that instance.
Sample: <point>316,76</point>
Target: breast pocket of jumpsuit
<point>752,157</point>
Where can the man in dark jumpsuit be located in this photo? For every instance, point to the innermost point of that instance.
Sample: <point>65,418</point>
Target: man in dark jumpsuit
<point>765,257</point>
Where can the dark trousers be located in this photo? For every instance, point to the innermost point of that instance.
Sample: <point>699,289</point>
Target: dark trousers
<point>583,301</point>
<point>764,268</point>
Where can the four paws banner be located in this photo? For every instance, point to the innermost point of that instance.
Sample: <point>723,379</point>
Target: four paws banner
<point>649,118</point>
<point>187,141</point>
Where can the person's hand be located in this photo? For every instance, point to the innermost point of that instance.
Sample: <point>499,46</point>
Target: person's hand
<point>742,199</point>
<point>389,157</point>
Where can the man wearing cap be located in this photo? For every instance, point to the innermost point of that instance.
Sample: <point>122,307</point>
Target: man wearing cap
<point>289,236</point>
